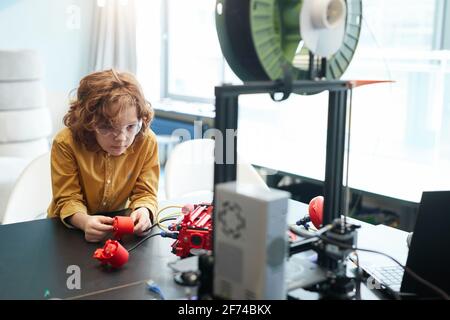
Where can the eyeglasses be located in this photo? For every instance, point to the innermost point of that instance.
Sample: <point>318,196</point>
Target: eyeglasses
<point>130,130</point>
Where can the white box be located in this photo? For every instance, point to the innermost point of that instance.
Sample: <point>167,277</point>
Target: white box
<point>250,242</point>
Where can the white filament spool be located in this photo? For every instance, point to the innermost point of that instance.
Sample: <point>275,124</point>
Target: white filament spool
<point>322,25</point>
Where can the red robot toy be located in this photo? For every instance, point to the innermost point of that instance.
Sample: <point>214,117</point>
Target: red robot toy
<point>113,254</point>
<point>194,230</point>
<point>121,226</point>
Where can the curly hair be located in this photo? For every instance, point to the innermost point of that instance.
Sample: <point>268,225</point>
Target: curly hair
<point>96,93</point>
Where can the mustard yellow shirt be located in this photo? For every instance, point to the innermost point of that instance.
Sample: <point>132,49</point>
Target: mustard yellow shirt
<point>94,181</point>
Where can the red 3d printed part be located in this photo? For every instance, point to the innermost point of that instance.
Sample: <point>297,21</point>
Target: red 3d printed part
<point>113,253</point>
<point>122,225</point>
<point>315,211</point>
<point>194,231</point>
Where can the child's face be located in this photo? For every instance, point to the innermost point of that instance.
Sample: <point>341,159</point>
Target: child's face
<point>115,140</point>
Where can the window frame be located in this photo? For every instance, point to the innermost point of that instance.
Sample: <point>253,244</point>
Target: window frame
<point>165,78</point>
<point>441,41</point>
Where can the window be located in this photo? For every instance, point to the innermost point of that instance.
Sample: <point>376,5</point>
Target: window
<point>194,60</point>
<point>400,134</point>
<point>402,128</point>
<point>148,47</point>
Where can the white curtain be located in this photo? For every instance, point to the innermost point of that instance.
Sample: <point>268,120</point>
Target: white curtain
<point>114,36</point>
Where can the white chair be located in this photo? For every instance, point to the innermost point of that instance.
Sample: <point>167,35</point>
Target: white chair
<point>10,170</point>
<point>189,170</point>
<point>32,192</point>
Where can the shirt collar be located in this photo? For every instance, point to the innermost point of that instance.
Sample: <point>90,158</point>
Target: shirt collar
<point>129,150</point>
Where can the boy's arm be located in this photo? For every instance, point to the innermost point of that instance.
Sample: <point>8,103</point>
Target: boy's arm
<point>67,195</point>
<point>78,220</point>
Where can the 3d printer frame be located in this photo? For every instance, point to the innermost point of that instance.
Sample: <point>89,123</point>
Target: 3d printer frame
<point>227,118</point>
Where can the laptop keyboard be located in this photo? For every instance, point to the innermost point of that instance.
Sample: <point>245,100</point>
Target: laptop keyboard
<point>390,276</point>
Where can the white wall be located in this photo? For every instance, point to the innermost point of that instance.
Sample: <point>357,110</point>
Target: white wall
<point>60,31</point>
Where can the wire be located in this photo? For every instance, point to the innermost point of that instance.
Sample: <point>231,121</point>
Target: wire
<point>176,215</point>
<point>360,278</point>
<point>165,208</point>
<point>106,290</point>
<point>353,209</point>
<point>171,265</point>
<point>319,235</point>
<point>306,234</point>
<point>143,240</point>
<point>153,287</point>
<point>158,220</point>
<point>168,207</point>
<point>152,235</point>
<point>347,188</point>
<point>164,228</point>
<point>168,218</point>
<point>433,287</point>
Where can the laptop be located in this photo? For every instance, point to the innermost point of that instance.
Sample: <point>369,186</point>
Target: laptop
<point>428,254</point>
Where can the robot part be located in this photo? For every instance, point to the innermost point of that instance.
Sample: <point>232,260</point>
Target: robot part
<point>194,231</point>
<point>113,254</point>
<point>121,226</point>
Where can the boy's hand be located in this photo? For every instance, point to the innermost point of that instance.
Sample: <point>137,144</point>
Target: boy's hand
<point>141,219</point>
<point>96,227</point>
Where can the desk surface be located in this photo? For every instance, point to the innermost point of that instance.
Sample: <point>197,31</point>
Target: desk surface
<point>35,256</point>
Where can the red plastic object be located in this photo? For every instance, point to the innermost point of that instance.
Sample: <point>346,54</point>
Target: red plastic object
<point>113,253</point>
<point>121,226</point>
<point>194,231</point>
<point>315,211</point>
<point>359,83</point>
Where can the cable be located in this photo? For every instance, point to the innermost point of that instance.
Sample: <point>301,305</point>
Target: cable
<point>167,219</point>
<point>162,227</point>
<point>158,220</point>
<point>347,188</point>
<point>352,210</point>
<point>319,235</point>
<point>360,278</point>
<point>171,206</point>
<point>431,286</point>
<point>171,265</point>
<point>143,240</point>
<point>106,290</point>
<point>306,234</point>
<point>165,208</point>
<point>172,215</point>
<point>167,234</point>
<point>153,287</point>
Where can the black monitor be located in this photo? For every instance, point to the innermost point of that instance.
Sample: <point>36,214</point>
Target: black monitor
<point>429,253</point>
